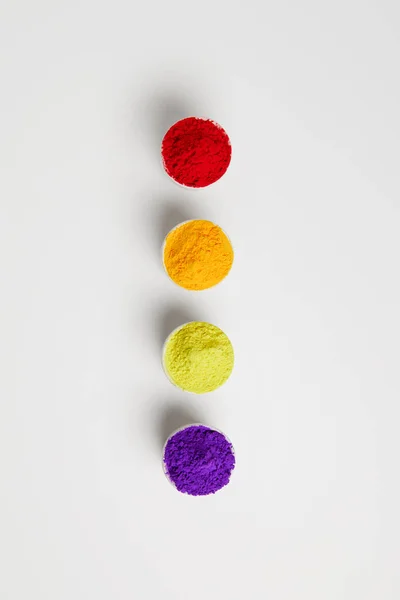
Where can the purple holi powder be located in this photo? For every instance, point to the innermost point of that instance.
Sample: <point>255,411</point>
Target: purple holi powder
<point>198,460</point>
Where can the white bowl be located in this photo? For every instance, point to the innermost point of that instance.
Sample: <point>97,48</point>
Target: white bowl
<point>164,348</point>
<point>165,243</point>
<point>182,185</point>
<point>164,467</point>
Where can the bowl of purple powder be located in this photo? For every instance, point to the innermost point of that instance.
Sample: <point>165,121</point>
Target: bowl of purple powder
<point>198,460</point>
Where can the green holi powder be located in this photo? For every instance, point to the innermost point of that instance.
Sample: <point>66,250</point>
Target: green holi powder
<point>198,357</point>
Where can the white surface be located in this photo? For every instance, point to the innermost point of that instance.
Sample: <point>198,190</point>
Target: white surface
<point>309,94</point>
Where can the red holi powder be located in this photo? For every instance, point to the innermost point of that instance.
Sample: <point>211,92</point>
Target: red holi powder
<point>196,152</point>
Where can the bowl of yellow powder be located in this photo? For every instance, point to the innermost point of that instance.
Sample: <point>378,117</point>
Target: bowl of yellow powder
<point>198,357</point>
<point>197,254</point>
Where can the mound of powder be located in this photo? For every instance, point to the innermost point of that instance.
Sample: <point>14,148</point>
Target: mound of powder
<point>197,254</point>
<point>198,460</point>
<point>196,152</point>
<point>198,357</point>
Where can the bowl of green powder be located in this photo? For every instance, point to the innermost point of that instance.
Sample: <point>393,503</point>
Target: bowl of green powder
<point>198,357</point>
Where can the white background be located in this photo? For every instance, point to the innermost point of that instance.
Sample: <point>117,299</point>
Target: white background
<point>309,93</point>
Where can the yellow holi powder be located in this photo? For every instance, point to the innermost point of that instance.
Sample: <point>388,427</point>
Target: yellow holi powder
<point>198,357</point>
<point>197,255</point>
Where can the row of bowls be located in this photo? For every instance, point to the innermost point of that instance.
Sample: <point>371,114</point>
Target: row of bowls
<point>173,333</point>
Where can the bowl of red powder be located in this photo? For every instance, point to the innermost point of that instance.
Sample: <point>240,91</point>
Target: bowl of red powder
<point>198,460</point>
<point>196,152</point>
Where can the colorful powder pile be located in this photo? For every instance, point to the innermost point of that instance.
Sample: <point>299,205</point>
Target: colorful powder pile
<point>197,255</point>
<point>198,460</point>
<point>198,357</point>
<point>196,152</point>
